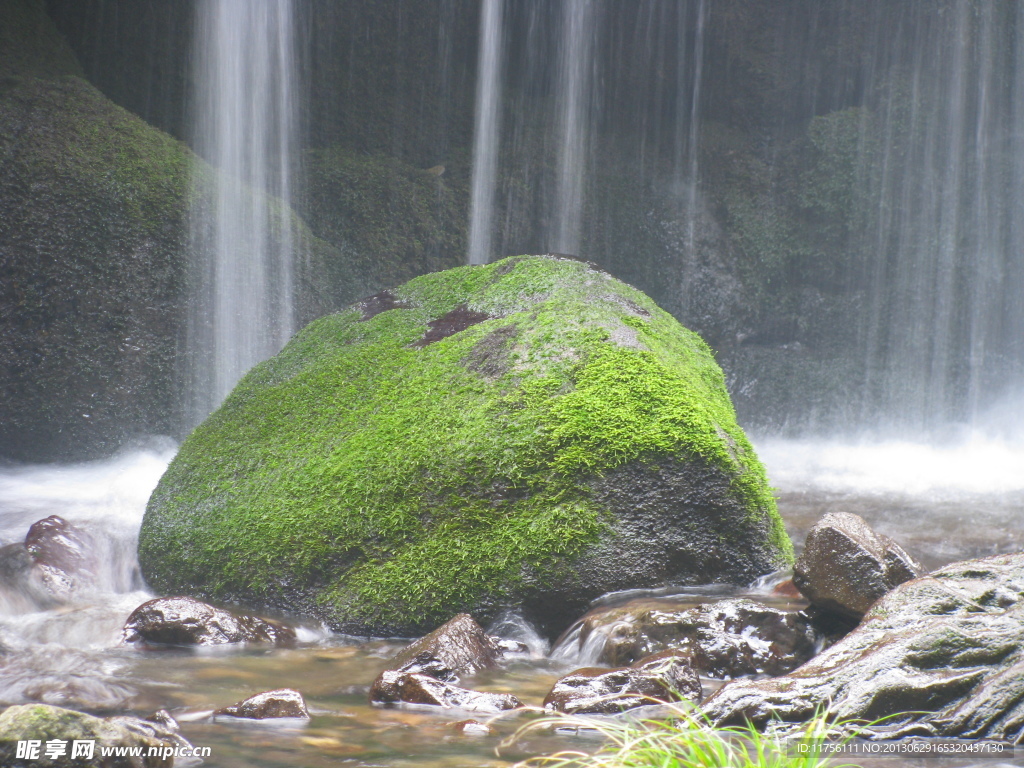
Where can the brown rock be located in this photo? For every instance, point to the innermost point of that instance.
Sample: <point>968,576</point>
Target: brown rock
<point>845,566</point>
<point>55,543</point>
<point>459,647</point>
<point>186,621</point>
<point>652,680</point>
<point>728,638</point>
<point>283,702</point>
<point>393,687</point>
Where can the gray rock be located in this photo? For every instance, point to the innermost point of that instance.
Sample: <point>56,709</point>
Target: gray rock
<point>845,566</point>
<point>186,621</point>
<point>283,702</point>
<point>941,655</point>
<point>728,638</point>
<point>653,680</point>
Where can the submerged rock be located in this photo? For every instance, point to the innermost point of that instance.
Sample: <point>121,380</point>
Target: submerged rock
<point>185,621</point>
<point>728,638</point>
<point>41,722</point>
<point>472,728</point>
<point>845,566</point>
<point>577,441</point>
<point>940,655</point>
<point>51,563</point>
<point>657,679</point>
<point>283,702</point>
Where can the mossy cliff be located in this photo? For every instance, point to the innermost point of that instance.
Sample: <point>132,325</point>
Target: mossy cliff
<point>95,256</point>
<point>528,433</point>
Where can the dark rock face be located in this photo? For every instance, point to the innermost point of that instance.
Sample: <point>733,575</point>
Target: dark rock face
<point>283,702</point>
<point>450,323</point>
<point>43,722</point>
<point>384,301</point>
<point>941,652</point>
<point>94,256</point>
<point>653,680</point>
<point>185,621</point>
<point>846,566</point>
<point>394,687</point>
<point>729,638</point>
<point>52,562</point>
<point>459,647</point>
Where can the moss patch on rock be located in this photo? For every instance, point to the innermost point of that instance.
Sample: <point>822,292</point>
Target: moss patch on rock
<point>95,279</point>
<point>385,480</point>
<point>42,722</point>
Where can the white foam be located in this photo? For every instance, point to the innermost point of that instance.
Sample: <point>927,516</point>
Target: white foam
<point>112,491</point>
<point>976,465</point>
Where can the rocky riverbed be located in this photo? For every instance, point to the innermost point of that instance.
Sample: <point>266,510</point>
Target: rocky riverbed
<point>72,653</point>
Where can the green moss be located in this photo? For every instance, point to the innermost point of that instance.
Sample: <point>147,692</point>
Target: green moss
<point>395,480</point>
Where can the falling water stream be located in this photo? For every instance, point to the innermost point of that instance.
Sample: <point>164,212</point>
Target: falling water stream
<point>487,133</point>
<point>245,127</point>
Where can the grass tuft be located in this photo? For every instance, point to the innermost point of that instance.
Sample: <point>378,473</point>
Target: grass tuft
<point>685,739</point>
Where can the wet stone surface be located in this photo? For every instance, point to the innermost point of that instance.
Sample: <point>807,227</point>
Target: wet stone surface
<point>186,621</point>
<point>283,702</point>
<point>653,680</point>
<point>727,638</point>
<point>939,656</point>
<point>846,566</point>
<point>414,688</point>
<point>456,648</point>
<point>425,671</point>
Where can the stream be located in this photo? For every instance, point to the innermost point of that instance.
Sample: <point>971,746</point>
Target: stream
<point>942,503</point>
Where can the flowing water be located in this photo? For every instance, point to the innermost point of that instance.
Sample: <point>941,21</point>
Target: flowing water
<point>486,137</point>
<point>245,126</point>
<point>941,503</point>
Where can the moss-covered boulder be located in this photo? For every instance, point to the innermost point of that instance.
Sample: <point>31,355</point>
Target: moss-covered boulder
<point>42,723</point>
<point>528,433</point>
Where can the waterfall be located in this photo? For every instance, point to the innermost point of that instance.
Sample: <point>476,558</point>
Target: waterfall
<point>244,126</point>
<point>941,164</point>
<point>486,133</point>
<point>573,101</point>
